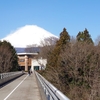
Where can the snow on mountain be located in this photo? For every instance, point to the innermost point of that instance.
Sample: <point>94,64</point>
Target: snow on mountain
<point>28,35</point>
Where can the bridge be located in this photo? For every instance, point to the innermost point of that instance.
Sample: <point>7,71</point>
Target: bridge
<point>28,87</point>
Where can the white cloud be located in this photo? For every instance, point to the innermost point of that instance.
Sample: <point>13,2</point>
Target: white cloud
<point>27,35</point>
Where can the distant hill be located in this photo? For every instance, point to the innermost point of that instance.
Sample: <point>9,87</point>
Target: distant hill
<point>20,50</point>
<point>27,50</point>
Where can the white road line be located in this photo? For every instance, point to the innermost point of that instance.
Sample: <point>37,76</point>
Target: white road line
<point>15,88</point>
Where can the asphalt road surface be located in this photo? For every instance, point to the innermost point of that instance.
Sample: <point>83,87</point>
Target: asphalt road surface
<point>23,88</point>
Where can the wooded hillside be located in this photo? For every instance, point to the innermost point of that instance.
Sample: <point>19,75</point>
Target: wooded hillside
<point>74,66</point>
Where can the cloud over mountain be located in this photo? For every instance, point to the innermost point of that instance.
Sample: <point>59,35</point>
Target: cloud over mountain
<point>28,35</point>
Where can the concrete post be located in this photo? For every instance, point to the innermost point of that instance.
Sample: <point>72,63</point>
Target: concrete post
<point>26,63</point>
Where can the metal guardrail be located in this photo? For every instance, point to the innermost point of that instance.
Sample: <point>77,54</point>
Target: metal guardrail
<point>4,77</point>
<point>52,93</point>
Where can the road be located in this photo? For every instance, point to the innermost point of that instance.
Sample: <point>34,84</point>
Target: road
<point>23,88</point>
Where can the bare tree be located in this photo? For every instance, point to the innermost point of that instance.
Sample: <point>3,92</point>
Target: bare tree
<point>47,45</point>
<point>79,71</point>
<point>32,48</point>
<point>97,41</point>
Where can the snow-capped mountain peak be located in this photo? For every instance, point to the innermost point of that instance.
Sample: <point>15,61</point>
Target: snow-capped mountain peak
<point>28,35</point>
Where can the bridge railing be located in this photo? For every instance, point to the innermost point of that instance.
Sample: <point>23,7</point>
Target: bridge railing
<point>4,77</point>
<point>51,92</point>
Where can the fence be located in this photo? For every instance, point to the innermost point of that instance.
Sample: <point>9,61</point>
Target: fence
<point>51,92</point>
<point>4,77</point>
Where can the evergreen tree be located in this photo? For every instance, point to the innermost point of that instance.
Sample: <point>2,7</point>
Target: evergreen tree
<point>84,37</point>
<point>54,69</point>
<point>60,45</point>
<point>8,57</point>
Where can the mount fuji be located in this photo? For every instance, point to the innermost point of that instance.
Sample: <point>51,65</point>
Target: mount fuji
<point>28,35</point>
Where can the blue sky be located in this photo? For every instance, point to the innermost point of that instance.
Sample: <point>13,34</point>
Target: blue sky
<point>52,15</point>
